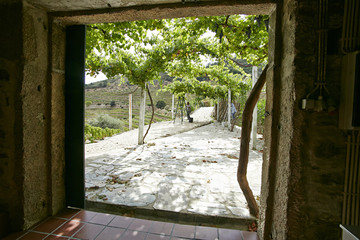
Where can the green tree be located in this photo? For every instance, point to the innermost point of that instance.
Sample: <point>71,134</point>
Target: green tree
<point>143,64</point>
<point>160,104</point>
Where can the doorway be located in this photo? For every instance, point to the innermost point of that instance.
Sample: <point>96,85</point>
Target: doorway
<point>78,176</point>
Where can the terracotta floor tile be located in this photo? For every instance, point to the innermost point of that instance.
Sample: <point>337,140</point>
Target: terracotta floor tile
<point>185,231</point>
<point>52,237</point>
<point>250,235</point>
<point>111,233</point>
<point>121,222</point>
<point>230,234</point>
<point>206,233</point>
<point>33,236</point>
<point>133,235</point>
<point>84,216</point>
<point>140,225</point>
<point>157,237</point>
<point>89,231</point>
<point>67,213</point>
<point>102,218</point>
<point>92,225</point>
<point>49,225</point>
<point>69,228</point>
<point>161,228</point>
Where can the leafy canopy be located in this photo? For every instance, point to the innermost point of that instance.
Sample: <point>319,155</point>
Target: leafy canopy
<point>141,50</point>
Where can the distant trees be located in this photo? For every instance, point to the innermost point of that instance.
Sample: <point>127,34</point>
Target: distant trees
<point>160,104</point>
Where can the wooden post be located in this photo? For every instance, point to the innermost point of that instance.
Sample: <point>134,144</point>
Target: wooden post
<point>172,106</point>
<point>229,109</point>
<point>142,116</point>
<point>130,111</point>
<point>254,120</point>
<point>244,145</point>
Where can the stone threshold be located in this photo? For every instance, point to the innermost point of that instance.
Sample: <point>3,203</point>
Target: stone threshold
<point>239,223</point>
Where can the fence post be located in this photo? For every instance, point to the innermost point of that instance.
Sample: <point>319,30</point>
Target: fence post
<point>229,109</point>
<point>172,106</point>
<point>130,111</point>
<point>142,115</point>
<point>254,120</point>
<point>218,110</point>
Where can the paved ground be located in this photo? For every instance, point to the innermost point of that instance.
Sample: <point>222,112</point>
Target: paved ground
<point>192,170</point>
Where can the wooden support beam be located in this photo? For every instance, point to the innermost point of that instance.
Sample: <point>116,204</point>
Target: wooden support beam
<point>244,145</point>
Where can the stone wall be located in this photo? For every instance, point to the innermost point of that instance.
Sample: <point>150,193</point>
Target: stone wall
<point>44,115</point>
<point>32,116</point>
<point>57,116</point>
<point>284,103</point>
<point>302,188</point>
<point>36,119</point>
<point>323,151</point>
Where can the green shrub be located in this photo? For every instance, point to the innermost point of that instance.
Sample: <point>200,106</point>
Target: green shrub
<point>88,103</point>
<point>106,121</point>
<point>96,133</point>
<point>112,104</point>
<point>160,104</point>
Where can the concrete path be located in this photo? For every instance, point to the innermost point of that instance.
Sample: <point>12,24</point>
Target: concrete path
<point>193,171</point>
<point>202,116</point>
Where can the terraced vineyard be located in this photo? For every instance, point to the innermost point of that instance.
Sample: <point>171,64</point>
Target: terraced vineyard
<point>120,95</point>
<point>99,101</point>
<point>123,114</point>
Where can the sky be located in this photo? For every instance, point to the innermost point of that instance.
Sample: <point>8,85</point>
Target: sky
<point>99,77</point>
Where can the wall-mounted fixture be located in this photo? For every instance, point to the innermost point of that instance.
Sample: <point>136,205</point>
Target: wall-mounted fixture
<point>316,99</point>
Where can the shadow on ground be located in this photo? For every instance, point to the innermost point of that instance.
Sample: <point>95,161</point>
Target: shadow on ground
<point>190,176</point>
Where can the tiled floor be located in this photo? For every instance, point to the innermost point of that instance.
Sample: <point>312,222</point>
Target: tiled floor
<point>80,224</point>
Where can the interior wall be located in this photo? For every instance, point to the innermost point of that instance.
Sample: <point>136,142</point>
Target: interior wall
<point>11,171</point>
<point>319,160</point>
<point>302,191</point>
<point>31,116</point>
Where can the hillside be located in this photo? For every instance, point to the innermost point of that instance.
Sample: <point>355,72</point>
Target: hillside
<point>111,97</point>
